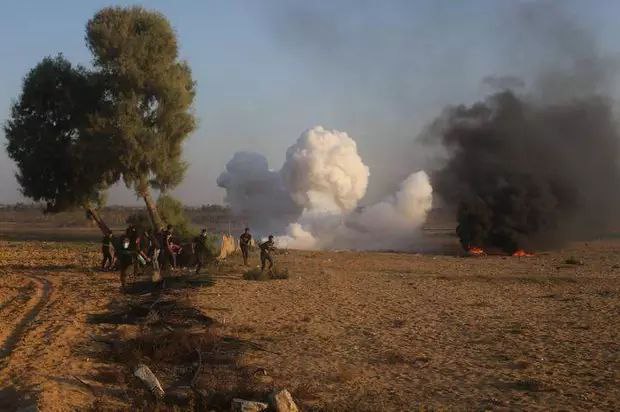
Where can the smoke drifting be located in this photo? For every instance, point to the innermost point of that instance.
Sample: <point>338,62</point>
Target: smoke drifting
<point>257,193</point>
<point>535,171</point>
<point>532,166</point>
<point>392,223</point>
<point>324,178</point>
<point>529,176</point>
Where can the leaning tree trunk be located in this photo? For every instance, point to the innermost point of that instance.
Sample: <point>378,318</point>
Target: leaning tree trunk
<point>151,207</point>
<point>92,213</point>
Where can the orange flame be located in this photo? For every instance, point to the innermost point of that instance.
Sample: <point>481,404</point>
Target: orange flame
<point>522,253</point>
<point>476,251</point>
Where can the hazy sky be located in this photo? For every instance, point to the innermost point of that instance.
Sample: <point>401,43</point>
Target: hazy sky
<point>268,70</point>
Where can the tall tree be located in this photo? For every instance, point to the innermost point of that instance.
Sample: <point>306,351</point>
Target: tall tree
<point>149,93</point>
<point>60,160</point>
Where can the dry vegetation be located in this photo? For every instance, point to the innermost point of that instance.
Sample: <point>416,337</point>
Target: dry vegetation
<point>345,331</point>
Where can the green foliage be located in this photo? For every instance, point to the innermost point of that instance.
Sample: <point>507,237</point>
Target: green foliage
<point>172,213</point>
<point>149,94</point>
<point>58,157</point>
<point>212,243</point>
<point>74,132</point>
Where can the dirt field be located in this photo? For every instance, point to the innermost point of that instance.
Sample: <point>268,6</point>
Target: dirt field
<point>346,331</point>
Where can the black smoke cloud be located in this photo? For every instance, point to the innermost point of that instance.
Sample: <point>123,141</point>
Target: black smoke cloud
<point>538,168</point>
<point>523,175</point>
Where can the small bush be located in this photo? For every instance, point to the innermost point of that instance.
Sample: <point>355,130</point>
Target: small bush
<point>573,261</point>
<point>212,243</point>
<point>172,213</point>
<point>279,273</point>
<point>257,274</point>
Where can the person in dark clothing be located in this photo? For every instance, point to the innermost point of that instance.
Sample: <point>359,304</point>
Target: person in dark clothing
<point>265,253</point>
<point>126,259</point>
<point>161,242</point>
<point>135,244</point>
<point>107,249</point>
<point>201,250</point>
<point>169,255</point>
<point>244,244</point>
<point>153,249</point>
<point>131,233</point>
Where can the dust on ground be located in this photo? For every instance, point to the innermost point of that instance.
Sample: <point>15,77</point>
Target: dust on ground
<point>346,331</point>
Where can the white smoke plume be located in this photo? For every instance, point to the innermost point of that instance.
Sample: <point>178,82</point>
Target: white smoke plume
<point>324,173</point>
<point>392,222</point>
<point>323,179</point>
<point>256,193</point>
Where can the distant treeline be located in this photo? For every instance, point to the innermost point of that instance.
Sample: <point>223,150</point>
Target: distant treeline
<point>218,217</point>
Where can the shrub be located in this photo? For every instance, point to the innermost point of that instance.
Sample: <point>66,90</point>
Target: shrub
<point>573,261</point>
<point>172,212</point>
<point>277,273</point>
<point>213,245</point>
<point>257,274</point>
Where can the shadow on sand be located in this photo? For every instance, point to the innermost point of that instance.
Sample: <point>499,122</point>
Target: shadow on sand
<point>183,346</point>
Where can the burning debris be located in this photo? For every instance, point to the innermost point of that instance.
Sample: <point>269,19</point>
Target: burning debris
<point>476,251</point>
<point>522,253</point>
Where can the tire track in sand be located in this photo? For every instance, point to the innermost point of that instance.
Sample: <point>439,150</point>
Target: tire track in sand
<point>40,298</point>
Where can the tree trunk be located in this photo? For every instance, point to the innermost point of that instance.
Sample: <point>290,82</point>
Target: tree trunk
<point>151,207</point>
<point>92,213</point>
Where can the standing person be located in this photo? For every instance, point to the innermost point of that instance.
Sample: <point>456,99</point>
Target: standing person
<point>244,244</point>
<point>200,250</point>
<point>161,243</point>
<point>126,259</point>
<point>170,257</point>
<point>265,255</point>
<point>176,251</point>
<point>108,252</point>
<point>133,234</point>
<point>153,249</point>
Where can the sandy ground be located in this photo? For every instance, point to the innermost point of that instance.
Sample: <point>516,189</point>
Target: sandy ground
<point>346,331</point>
<point>46,291</point>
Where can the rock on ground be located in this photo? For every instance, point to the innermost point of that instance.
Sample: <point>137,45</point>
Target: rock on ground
<point>282,401</point>
<point>241,405</point>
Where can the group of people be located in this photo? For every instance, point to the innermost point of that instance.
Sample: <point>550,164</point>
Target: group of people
<point>146,245</point>
<point>137,249</point>
<point>245,240</point>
